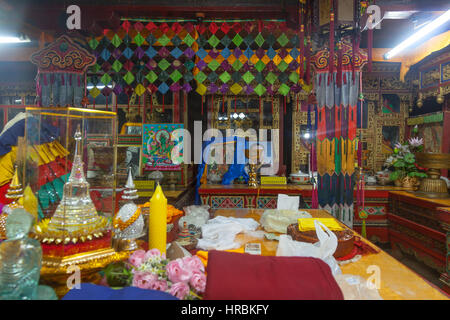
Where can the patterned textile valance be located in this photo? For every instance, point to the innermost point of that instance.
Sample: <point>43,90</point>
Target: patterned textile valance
<point>251,57</point>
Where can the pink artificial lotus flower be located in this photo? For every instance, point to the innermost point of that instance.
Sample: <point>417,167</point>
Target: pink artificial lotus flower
<point>193,263</point>
<point>152,253</point>
<point>137,258</point>
<point>160,285</point>
<point>198,281</point>
<point>144,280</point>
<point>176,272</point>
<point>179,290</point>
<point>415,142</point>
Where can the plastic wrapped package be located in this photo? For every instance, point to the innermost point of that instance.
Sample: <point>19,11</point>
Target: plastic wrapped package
<point>195,215</point>
<point>274,220</point>
<point>356,288</point>
<point>323,249</point>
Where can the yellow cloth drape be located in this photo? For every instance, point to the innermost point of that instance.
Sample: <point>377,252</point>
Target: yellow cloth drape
<point>41,154</point>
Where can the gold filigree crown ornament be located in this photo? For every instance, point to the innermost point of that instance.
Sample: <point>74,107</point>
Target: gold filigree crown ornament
<point>76,216</point>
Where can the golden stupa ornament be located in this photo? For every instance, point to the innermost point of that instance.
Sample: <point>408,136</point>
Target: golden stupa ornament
<point>128,223</point>
<point>75,219</point>
<point>14,193</point>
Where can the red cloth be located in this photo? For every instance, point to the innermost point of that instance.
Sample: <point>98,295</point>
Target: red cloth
<point>237,276</point>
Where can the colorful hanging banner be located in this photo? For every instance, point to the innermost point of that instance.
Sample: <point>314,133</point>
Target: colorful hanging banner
<point>251,57</point>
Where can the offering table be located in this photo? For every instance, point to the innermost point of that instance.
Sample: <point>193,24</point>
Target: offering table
<point>397,282</point>
<point>265,197</point>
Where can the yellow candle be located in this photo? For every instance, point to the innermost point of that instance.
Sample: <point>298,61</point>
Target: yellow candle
<point>157,222</point>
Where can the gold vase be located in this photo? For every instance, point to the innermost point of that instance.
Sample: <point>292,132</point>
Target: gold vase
<point>433,186</point>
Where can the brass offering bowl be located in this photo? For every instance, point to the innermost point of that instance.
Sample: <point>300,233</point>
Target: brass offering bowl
<point>433,186</point>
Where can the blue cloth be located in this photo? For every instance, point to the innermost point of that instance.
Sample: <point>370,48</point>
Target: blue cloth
<point>47,133</point>
<point>89,291</point>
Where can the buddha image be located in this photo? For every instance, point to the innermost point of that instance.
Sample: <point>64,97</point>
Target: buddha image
<point>390,135</point>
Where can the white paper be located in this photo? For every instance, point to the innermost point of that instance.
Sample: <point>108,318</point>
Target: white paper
<point>286,202</point>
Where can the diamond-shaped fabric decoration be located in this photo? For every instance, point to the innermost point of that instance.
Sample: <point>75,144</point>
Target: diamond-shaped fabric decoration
<point>283,89</point>
<point>236,77</point>
<point>248,77</point>
<point>201,41</point>
<point>116,41</point>
<point>151,52</point>
<point>283,77</point>
<point>128,77</point>
<point>163,88</point>
<point>270,39</point>
<point>213,77</point>
<point>235,88</point>
<point>128,53</point>
<point>248,53</point>
<point>189,64</point>
<point>200,77</point>
<point>283,40</point>
<point>201,53</point>
<point>139,40</point>
<point>201,89</point>
<point>271,53</point>
<point>105,54</point>
<point>213,41</point>
<point>105,79</point>
<point>271,77</point>
<point>225,77</point>
<point>189,40</point>
<point>176,53</point>
<point>163,76</point>
<point>225,41</point>
<point>188,76</point>
<point>176,41</point>
<point>260,89</point>
<point>163,64</point>
<point>294,77</point>
<point>260,66</point>
<point>225,52</point>
<point>93,43</point>
<point>237,65</point>
<point>283,65</point>
<point>176,75</point>
<point>139,89</point>
<point>213,65</point>
<point>259,40</point>
<point>294,53</point>
<point>259,77</point>
<point>151,77</point>
<point>237,40</point>
<point>248,40</point>
<point>163,40</point>
<point>151,39</point>
<point>95,68</point>
<point>94,92</point>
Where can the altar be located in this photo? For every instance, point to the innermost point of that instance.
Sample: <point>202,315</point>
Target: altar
<point>397,281</point>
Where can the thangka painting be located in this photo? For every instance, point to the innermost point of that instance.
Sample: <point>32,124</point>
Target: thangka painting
<point>159,143</point>
<point>391,103</point>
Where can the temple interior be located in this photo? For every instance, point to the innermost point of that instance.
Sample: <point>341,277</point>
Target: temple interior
<point>179,150</point>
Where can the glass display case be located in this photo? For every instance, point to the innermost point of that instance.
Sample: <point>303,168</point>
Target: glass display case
<point>70,168</point>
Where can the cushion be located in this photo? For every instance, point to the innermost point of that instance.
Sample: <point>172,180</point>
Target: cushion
<point>237,276</point>
<point>90,291</point>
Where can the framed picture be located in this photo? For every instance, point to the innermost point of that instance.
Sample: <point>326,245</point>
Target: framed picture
<point>159,141</point>
<point>128,156</point>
